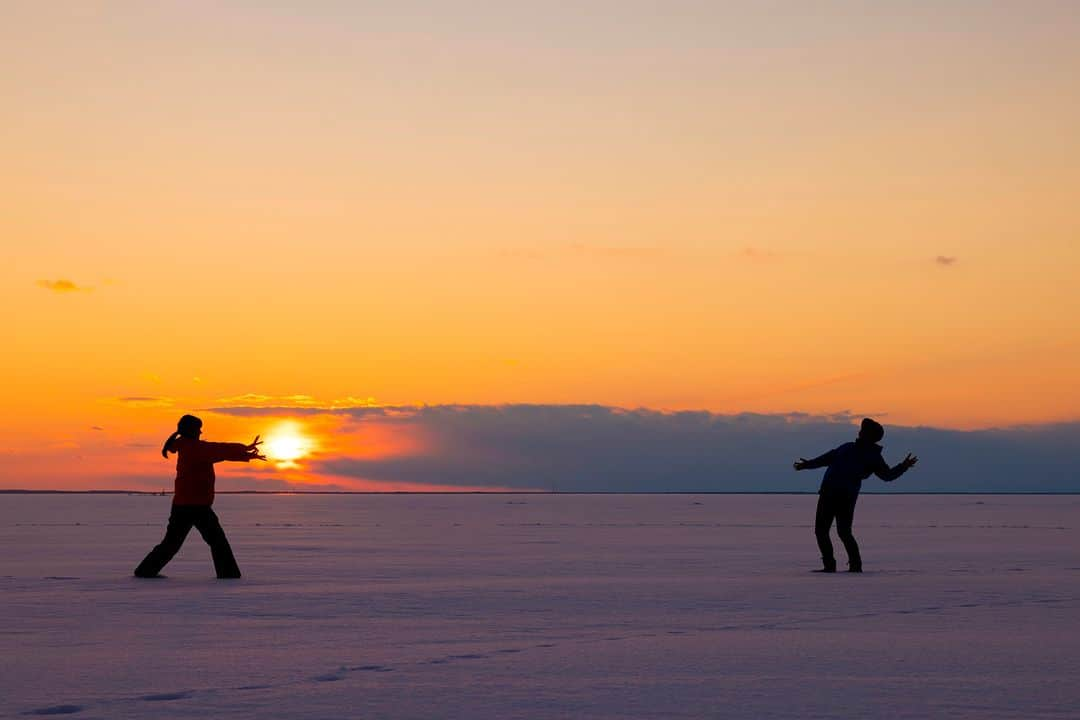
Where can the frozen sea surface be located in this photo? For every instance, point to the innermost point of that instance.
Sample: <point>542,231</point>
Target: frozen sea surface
<point>543,606</point>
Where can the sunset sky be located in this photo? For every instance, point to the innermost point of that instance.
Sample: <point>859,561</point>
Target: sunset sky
<point>237,209</point>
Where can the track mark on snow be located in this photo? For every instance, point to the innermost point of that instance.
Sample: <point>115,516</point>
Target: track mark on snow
<point>164,697</point>
<point>56,710</point>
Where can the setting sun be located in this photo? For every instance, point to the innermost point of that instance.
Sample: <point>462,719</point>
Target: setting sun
<point>286,444</point>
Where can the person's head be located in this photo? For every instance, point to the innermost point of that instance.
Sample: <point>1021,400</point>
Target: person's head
<point>189,427</point>
<point>870,431</point>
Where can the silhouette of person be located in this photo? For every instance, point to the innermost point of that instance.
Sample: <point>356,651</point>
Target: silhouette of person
<point>848,465</point>
<point>193,496</point>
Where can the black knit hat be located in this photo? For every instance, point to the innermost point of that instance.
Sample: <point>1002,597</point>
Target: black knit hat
<point>871,430</point>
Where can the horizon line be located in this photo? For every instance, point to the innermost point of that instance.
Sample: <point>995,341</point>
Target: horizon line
<point>151,493</point>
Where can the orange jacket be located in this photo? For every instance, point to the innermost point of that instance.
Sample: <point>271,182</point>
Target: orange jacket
<point>195,468</point>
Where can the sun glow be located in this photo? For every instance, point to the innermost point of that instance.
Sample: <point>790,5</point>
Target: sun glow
<point>286,443</point>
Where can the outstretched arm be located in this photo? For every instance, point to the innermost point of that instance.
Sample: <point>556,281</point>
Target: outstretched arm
<point>237,452</point>
<point>888,474</point>
<point>819,461</point>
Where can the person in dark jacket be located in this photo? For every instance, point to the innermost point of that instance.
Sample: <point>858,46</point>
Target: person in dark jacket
<point>847,466</point>
<point>193,496</point>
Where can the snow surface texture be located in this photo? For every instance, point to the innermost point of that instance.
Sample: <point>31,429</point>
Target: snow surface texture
<point>543,606</point>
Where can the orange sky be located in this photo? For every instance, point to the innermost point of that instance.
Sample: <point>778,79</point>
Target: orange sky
<point>726,209</point>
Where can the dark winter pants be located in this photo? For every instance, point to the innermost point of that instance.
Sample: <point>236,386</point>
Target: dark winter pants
<point>181,520</point>
<point>841,507</point>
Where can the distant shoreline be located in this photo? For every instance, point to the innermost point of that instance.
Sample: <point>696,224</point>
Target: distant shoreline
<point>529,492</point>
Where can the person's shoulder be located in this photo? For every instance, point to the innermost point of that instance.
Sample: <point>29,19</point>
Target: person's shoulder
<point>841,451</point>
<point>183,443</point>
<point>869,448</point>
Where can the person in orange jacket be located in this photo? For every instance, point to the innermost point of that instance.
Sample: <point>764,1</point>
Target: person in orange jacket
<point>193,496</point>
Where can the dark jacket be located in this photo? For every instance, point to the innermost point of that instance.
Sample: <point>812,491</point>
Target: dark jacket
<point>195,468</point>
<point>850,464</point>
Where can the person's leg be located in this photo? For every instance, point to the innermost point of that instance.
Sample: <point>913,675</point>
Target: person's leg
<point>210,528</point>
<point>823,520</point>
<point>180,522</point>
<point>845,514</point>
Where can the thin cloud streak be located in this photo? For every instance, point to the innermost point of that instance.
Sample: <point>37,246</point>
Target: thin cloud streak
<point>145,401</point>
<point>754,254</point>
<point>62,286</point>
<point>293,402</point>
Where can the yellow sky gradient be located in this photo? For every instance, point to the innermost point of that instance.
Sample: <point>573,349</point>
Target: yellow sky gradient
<point>695,206</point>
